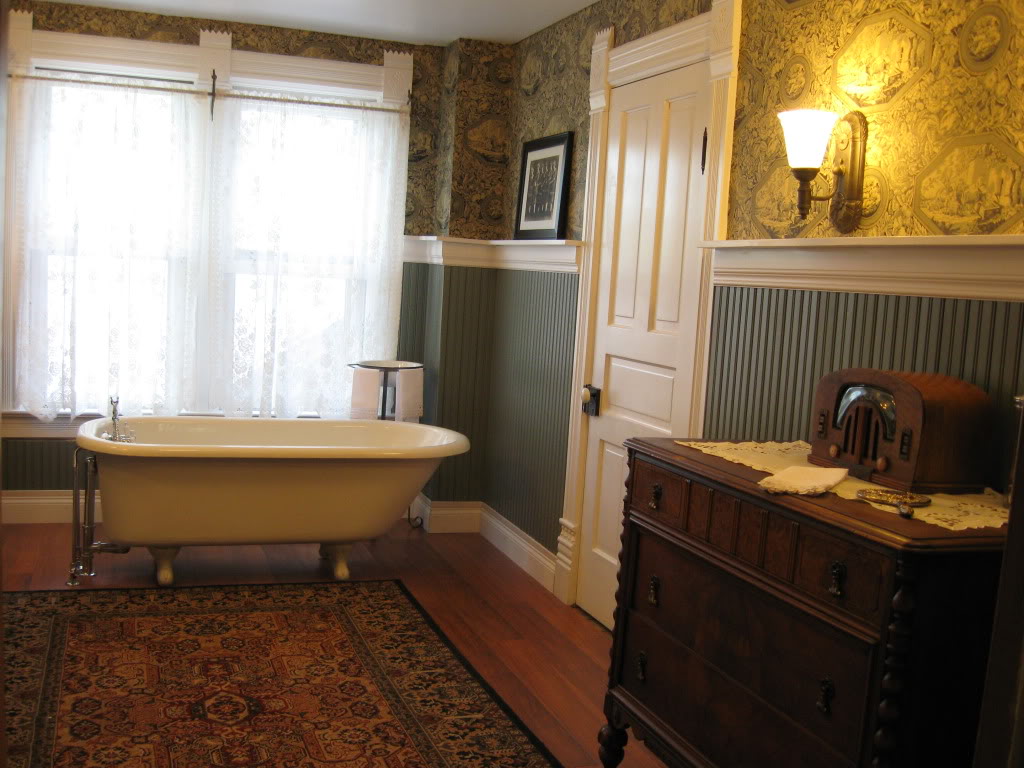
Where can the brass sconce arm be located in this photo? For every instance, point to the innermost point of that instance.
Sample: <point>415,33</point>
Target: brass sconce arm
<point>804,196</point>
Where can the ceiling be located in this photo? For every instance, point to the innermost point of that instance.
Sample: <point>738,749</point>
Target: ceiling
<point>411,21</point>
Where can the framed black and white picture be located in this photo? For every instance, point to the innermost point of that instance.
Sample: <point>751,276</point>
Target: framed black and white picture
<point>544,188</point>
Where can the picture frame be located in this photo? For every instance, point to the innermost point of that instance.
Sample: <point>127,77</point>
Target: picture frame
<point>543,204</point>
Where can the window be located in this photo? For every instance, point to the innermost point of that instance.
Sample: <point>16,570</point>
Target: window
<point>235,265</point>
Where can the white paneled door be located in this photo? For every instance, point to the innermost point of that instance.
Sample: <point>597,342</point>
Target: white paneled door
<point>645,324</point>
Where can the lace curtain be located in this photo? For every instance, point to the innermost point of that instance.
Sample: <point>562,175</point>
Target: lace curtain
<point>106,213</point>
<point>307,210</point>
<point>237,266</point>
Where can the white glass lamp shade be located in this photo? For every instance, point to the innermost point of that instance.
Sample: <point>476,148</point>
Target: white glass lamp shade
<point>807,132</point>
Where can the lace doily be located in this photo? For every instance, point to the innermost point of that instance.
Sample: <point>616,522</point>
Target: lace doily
<point>953,512</point>
<point>804,481</point>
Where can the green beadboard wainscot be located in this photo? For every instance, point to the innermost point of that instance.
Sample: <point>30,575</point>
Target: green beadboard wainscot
<point>413,311</point>
<point>446,323</point>
<point>497,350</point>
<point>463,373</point>
<point>37,464</point>
<point>531,377</point>
<point>770,346</point>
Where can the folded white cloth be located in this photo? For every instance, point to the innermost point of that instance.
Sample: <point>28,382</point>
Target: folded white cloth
<point>365,393</point>
<point>805,481</point>
<point>409,395</point>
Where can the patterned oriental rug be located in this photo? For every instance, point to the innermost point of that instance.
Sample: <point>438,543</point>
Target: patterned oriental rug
<point>279,676</point>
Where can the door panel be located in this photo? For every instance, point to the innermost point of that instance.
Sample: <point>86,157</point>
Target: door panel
<point>667,289</point>
<point>636,390</point>
<point>635,130</point>
<point>646,315</point>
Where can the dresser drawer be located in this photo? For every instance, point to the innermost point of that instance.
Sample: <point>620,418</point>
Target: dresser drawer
<point>841,573</point>
<point>833,571</point>
<point>658,493</point>
<point>795,662</point>
<point>709,710</point>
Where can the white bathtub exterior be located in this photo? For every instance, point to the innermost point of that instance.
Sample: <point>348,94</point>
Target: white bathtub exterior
<point>209,480</point>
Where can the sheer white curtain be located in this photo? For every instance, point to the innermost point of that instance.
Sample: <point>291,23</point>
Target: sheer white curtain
<point>106,195</point>
<point>233,266</point>
<point>306,224</point>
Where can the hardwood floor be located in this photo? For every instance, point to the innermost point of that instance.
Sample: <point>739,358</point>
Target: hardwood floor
<point>547,661</point>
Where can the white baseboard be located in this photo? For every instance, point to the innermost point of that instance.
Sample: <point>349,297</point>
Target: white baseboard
<point>521,549</point>
<point>39,507</point>
<point>477,517</point>
<point>448,516</point>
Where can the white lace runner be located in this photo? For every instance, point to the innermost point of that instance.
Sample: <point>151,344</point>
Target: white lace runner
<point>953,512</point>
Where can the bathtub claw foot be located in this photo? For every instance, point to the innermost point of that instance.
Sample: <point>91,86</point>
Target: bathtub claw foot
<point>163,557</point>
<point>337,556</point>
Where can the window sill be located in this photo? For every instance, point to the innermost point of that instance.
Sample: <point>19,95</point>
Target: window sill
<point>23,424</point>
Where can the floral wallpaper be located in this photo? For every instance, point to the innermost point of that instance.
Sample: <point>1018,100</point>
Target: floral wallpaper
<point>445,138</point>
<point>551,89</point>
<point>426,91</point>
<point>941,83</point>
<point>475,101</point>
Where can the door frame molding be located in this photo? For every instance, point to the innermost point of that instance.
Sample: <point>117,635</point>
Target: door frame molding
<point>714,37</point>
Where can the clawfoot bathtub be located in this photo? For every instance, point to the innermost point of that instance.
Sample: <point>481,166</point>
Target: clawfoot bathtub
<point>208,480</point>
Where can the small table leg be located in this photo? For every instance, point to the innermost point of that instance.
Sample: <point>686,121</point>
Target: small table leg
<point>382,414</point>
<point>613,741</point>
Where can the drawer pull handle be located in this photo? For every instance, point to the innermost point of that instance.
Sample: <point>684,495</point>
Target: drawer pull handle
<point>641,667</point>
<point>838,572</point>
<point>653,588</point>
<point>828,692</point>
<point>655,501</point>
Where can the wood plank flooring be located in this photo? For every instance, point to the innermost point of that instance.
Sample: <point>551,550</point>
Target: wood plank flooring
<point>549,662</point>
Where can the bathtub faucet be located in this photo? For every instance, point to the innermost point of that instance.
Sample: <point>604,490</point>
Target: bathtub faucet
<point>119,436</point>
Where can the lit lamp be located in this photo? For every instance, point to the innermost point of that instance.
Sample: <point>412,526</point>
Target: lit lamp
<point>807,133</point>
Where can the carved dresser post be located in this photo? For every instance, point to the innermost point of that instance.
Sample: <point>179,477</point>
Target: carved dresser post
<point>613,742</point>
<point>897,651</point>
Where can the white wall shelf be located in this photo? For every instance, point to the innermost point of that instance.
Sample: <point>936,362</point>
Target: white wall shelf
<point>535,255</point>
<point>969,267</point>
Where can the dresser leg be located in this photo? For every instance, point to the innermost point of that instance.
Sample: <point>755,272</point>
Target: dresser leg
<point>612,741</point>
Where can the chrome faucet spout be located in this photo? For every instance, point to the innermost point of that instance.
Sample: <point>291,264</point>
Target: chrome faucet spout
<point>114,417</point>
<point>121,434</point>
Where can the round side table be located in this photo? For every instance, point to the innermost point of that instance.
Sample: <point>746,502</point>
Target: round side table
<point>388,381</point>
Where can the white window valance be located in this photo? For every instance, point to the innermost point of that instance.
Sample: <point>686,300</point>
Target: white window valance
<point>34,52</point>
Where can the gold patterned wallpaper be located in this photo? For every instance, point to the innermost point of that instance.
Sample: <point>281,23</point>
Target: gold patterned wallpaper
<point>551,92</point>
<point>942,85</point>
<point>496,97</point>
<point>475,103</point>
<point>426,90</point>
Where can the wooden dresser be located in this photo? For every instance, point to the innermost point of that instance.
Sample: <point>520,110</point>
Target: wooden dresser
<point>754,631</point>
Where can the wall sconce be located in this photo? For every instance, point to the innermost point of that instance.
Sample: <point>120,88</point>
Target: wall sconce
<point>807,133</point>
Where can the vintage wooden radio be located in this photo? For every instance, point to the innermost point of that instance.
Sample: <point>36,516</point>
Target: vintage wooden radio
<point>920,432</point>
